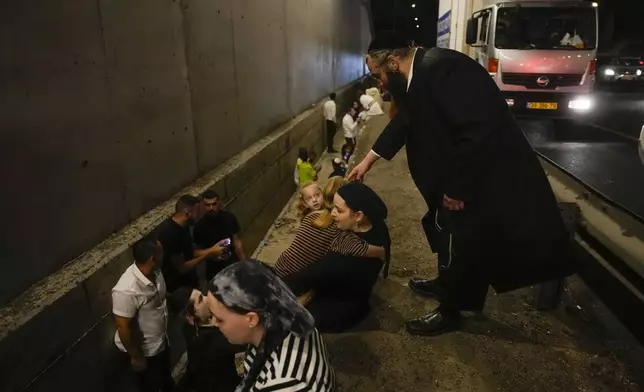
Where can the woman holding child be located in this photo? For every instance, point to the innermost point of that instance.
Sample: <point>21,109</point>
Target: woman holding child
<point>342,282</point>
<point>318,229</point>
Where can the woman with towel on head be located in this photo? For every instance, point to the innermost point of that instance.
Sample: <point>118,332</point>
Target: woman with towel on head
<point>251,305</point>
<point>342,284</point>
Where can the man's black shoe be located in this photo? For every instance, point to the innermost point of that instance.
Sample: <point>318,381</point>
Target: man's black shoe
<point>433,324</point>
<point>426,287</point>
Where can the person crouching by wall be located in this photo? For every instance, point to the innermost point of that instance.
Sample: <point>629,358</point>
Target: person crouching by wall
<point>141,317</point>
<point>251,305</point>
<point>211,358</point>
<point>339,168</point>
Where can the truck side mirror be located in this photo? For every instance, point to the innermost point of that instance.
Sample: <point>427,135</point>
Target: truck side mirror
<point>471,32</point>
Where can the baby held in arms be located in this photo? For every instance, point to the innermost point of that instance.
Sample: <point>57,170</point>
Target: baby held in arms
<point>317,231</point>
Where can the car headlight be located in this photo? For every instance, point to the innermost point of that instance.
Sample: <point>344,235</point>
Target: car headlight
<point>639,72</point>
<point>609,72</point>
<point>580,104</point>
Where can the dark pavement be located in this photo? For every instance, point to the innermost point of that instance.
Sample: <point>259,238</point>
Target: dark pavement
<point>600,150</point>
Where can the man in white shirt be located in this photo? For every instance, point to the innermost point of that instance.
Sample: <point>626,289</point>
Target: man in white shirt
<point>350,128</point>
<point>139,307</point>
<point>329,110</point>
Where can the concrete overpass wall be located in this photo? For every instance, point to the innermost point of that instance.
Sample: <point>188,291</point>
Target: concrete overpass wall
<point>109,107</point>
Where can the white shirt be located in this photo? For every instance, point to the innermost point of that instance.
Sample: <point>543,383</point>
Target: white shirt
<point>297,365</point>
<point>349,126</point>
<point>370,105</point>
<point>135,296</point>
<point>329,110</point>
<point>411,76</point>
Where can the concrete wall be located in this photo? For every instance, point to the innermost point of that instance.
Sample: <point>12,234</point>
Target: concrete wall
<point>109,107</point>
<point>109,110</point>
<point>62,326</point>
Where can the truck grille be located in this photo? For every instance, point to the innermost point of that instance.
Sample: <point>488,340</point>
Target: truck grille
<point>531,80</point>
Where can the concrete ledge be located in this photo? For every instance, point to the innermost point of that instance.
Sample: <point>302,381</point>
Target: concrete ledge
<point>61,325</point>
<point>616,230</point>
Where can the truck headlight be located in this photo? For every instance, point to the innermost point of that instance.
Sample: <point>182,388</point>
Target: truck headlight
<point>581,104</point>
<point>609,72</point>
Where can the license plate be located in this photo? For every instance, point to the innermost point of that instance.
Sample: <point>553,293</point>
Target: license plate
<point>628,77</point>
<point>543,105</point>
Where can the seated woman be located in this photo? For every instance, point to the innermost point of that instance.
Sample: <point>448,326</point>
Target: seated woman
<point>318,230</point>
<point>251,305</point>
<point>343,283</point>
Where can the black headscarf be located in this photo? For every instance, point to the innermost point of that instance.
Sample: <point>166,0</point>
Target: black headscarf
<point>359,197</point>
<point>249,286</point>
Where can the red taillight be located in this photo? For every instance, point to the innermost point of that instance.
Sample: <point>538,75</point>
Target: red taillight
<point>641,62</point>
<point>492,65</point>
<point>591,67</point>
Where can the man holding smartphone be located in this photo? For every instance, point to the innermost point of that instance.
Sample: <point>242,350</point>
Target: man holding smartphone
<point>218,225</point>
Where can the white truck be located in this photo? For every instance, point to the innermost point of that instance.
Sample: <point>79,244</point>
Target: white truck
<point>541,53</point>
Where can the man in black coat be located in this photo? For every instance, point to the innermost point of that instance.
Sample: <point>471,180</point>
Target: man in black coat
<point>493,219</point>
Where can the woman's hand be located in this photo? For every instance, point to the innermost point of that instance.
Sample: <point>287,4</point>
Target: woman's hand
<point>306,298</point>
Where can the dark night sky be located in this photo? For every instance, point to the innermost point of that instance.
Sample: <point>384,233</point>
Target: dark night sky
<point>628,17</point>
<point>398,15</point>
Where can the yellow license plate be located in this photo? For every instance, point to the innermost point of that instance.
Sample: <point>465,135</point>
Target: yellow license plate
<point>543,105</point>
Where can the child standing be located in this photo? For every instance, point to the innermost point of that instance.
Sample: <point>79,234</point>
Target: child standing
<point>304,171</point>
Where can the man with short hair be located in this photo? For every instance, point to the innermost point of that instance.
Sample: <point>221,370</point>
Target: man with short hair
<point>140,313</point>
<point>211,358</point>
<point>218,225</point>
<point>180,257</point>
<point>329,110</point>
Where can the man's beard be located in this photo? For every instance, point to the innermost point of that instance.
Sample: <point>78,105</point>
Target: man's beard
<point>397,86</point>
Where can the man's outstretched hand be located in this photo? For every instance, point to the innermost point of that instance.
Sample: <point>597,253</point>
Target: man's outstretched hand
<point>359,171</point>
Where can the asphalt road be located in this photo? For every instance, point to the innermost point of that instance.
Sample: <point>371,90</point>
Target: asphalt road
<point>601,149</point>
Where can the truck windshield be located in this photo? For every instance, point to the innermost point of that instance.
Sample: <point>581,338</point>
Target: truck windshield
<point>565,28</point>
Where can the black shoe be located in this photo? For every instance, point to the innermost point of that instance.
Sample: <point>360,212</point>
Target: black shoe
<point>433,324</point>
<point>425,287</point>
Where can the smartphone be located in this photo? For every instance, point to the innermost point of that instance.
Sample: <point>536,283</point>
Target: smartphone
<point>226,242</point>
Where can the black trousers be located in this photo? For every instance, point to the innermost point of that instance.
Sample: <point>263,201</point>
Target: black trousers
<point>463,277</point>
<point>157,377</point>
<point>330,134</point>
<point>351,141</point>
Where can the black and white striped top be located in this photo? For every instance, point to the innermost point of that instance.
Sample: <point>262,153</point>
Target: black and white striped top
<point>296,365</point>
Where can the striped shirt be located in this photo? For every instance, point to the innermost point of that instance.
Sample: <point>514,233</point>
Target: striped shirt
<point>296,365</point>
<point>311,244</point>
